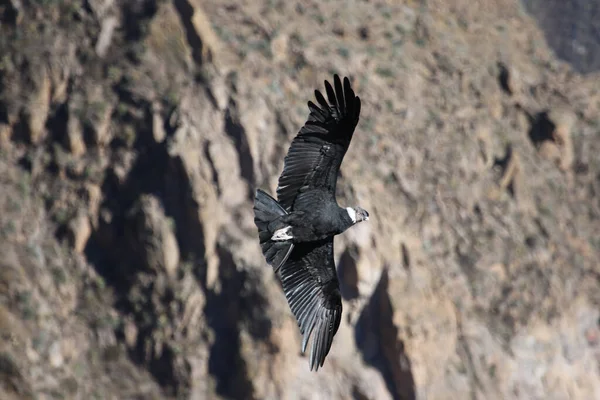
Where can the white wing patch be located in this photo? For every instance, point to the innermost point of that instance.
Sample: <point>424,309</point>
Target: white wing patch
<point>351,213</point>
<point>282,234</point>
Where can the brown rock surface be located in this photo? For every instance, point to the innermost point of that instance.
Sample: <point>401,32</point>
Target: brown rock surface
<point>133,135</point>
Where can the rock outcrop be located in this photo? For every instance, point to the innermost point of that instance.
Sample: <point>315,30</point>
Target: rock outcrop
<point>133,135</point>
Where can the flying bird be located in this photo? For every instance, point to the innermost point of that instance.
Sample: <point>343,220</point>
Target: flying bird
<point>296,231</point>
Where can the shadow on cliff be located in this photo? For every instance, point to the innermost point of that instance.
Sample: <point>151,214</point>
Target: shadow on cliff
<point>236,304</point>
<point>140,165</point>
<point>377,338</point>
<point>110,250</point>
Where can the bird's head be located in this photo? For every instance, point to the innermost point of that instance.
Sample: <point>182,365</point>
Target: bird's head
<point>357,214</point>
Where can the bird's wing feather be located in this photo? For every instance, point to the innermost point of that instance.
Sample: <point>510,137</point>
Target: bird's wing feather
<point>312,290</point>
<point>316,153</point>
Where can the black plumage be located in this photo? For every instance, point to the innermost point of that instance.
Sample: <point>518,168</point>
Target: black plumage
<point>296,231</point>
<point>267,217</point>
<point>311,286</point>
<point>316,153</point>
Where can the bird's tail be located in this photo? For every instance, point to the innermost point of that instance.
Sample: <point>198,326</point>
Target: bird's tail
<point>266,212</point>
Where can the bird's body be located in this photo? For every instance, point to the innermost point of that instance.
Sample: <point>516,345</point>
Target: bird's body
<point>317,218</point>
<point>296,231</point>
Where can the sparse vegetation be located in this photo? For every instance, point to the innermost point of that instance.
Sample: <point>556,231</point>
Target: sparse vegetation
<point>174,300</point>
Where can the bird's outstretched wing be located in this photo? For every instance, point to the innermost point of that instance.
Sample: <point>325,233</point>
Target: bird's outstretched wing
<point>316,153</point>
<point>312,290</point>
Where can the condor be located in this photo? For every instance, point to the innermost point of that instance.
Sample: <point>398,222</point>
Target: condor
<point>296,231</point>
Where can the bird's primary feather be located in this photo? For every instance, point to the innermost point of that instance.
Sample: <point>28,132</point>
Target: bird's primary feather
<point>316,153</point>
<point>311,287</point>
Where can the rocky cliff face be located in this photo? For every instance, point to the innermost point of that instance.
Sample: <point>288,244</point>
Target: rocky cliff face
<point>133,135</point>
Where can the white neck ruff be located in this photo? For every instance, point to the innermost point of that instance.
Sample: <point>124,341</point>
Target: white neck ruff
<point>351,213</point>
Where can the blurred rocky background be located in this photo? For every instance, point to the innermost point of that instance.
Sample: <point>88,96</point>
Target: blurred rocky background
<point>133,134</point>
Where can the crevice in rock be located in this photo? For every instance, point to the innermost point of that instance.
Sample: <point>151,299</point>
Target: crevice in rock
<point>26,163</point>
<point>8,13</point>
<point>213,170</point>
<point>405,256</point>
<point>509,165</point>
<point>541,128</point>
<point>377,338</point>
<point>504,78</point>
<point>186,13</point>
<point>224,311</point>
<point>21,129</point>
<point>357,394</point>
<point>56,124</point>
<point>136,16</point>
<point>236,131</point>
<point>3,108</point>
<point>467,259</point>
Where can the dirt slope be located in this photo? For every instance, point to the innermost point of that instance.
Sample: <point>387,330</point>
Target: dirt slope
<point>132,137</point>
